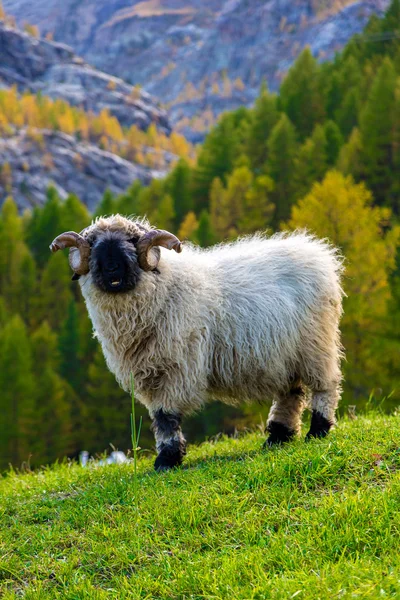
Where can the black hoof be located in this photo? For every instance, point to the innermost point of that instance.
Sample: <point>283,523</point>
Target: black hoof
<point>166,464</point>
<point>319,427</point>
<point>170,456</point>
<point>278,434</point>
<point>160,466</point>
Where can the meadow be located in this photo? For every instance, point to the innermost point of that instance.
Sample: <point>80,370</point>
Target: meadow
<point>313,520</point>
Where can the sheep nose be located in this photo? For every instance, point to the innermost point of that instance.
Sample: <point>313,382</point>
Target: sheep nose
<point>111,267</point>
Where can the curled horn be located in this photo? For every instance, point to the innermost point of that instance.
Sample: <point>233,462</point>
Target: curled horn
<point>79,250</point>
<point>148,260</point>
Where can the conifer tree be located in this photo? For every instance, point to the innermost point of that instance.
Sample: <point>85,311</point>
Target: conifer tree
<point>349,160</point>
<point>74,214</point>
<point>390,327</point>
<point>127,203</point>
<point>87,341</point>
<point>233,200</point>
<point>334,142</point>
<point>300,96</point>
<point>334,94</point>
<point>17,268</point>
<point>165,214</point>
<point>219,209</point>
<point>376,128</point>
<point>264,117</point>
<point>52,400</point>
<point>243,206</point>
<point>106,206</point>
<point>109,408</point>
<point>10,236</point>
<point>282,149</point>
<point>149,199</point>
<point>17,427</point>
<point>395,181</point>
<point>345,111</point>
<point>4,317</point>
<point>391,19</point>
<point>311,162</point>
<point>205,233</point>
<point>44,226</point>
<point>69,348</point>
<point>55,284</point>
<point>25,287</point>
<point>351,72</point>
<point>216,159</point>
<point>178,185</point>
<point>348,113</point>
<point>257,206</point>
<point>391,24</point>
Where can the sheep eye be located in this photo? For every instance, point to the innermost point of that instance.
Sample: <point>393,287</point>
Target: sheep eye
<point>134,239</point>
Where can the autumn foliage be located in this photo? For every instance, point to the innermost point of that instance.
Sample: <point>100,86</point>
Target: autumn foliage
<point>36,112</point>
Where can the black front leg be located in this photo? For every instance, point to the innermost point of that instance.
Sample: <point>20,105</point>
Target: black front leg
<point>170,443</point>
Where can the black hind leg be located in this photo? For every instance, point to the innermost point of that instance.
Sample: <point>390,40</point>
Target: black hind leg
<point>284,420</point>
<point>323,405</point>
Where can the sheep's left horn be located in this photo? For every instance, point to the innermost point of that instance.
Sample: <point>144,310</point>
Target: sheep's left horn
<point>79,250</point>
<point>156,237</point>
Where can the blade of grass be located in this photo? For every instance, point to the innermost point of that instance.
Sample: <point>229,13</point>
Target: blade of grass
<point>135,434</point>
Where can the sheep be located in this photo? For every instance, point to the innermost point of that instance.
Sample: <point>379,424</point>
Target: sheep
<point>253,319</point>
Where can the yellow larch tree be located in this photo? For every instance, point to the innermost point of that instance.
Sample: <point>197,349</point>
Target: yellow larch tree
<point>32,30</point>
<point>238,84</point>
<point>188,227</point>
<point>341,211</point>
<point>30,110</point>
<point>179,145</point>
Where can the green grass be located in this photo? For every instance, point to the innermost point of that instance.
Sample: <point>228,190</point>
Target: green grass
<point>316,520</point>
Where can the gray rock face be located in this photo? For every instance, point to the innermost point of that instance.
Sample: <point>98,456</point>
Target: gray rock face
<point>164,44</point>
<point>54,69</point>
<point>72,167</point>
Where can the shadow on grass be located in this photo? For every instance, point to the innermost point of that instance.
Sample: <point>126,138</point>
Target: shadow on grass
<point>221,459</point>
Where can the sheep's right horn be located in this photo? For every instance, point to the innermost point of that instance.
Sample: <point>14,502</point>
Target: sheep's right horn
<point>79,250</point>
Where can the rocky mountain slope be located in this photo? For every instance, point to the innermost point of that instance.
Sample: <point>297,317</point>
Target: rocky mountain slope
<point>32,158</point>
<point>54,69</point>
<point>201,56</point>
<point>54,158</point>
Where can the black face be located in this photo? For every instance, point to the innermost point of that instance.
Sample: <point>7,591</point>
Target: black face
<point>113,264</point>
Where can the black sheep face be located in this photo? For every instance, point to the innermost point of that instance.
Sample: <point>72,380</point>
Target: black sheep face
<point>113,263</point>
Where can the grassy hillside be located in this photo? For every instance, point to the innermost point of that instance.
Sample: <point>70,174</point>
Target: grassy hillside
<point>316,520</point>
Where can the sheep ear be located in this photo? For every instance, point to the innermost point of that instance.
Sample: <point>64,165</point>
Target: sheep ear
<point>148,255</point>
